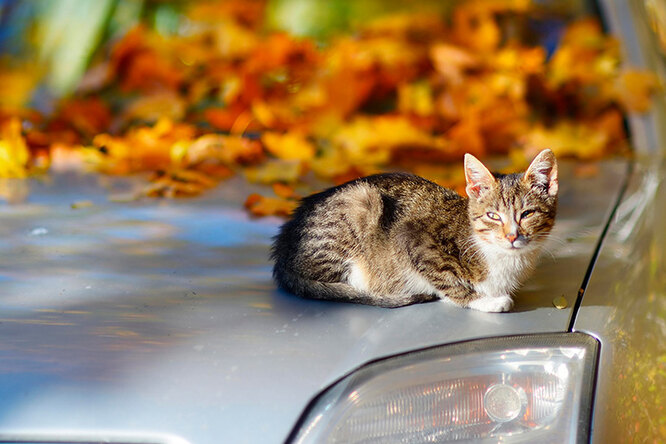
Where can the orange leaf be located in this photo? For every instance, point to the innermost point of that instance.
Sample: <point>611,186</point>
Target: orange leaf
<point>634,89</point>
<point>139,65</point>
<point>466,137</point>
<point>226,118</point>
<point>452,61</point>
<point>259,205</point>
<point>284,191</point>
<point>475,27</point>
<point>88,116</point>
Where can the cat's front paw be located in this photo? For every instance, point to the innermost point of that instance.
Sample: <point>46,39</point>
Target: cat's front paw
<point>492,304</point>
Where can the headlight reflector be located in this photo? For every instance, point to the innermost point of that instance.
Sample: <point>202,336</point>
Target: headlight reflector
<point>514,389</point>
<point>503,403</point>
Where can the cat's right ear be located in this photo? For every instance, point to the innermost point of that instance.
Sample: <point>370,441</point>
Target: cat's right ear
<point>479,179</point>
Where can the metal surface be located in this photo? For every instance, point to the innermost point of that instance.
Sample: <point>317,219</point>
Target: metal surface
<point>625,306</point>
<point>161,317</point>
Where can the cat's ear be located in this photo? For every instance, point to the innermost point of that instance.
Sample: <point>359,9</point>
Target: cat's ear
<point>542,172</point>
<point>479,179</point>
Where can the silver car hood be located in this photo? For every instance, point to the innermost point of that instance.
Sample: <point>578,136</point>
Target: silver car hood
<point>158,321</point>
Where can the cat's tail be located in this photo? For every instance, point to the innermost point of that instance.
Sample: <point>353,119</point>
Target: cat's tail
<point>339,291</point>
<point>329,291</point>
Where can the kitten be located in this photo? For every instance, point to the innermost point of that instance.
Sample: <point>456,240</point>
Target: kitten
<point>396,239</point>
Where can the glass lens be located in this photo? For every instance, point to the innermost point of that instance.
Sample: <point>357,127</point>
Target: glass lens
<point>498,388</point>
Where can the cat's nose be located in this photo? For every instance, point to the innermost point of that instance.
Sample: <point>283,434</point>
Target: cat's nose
<point>511,237</point>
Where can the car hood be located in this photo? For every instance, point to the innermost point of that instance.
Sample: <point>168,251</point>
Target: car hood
<point>158,321</point>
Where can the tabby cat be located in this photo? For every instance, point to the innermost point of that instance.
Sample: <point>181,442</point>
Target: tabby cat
<point>396,239</point>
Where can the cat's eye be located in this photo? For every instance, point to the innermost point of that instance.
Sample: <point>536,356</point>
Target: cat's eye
<point>493,216</point>
<point>527,213</point>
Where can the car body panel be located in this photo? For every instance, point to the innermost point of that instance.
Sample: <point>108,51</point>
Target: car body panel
<point>624,304</point>
<point>161,316</point>
<point>625,307</point>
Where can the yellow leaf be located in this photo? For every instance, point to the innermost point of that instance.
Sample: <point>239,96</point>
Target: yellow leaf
<point>566,139</point>
<point>371,140</point>
<point>14,154</point>
<point>330,163</point>
<point>416,98</point>
<point>289,146</point>
<point>145,148</point>
<point>263,113</point>
<point>116,147</point>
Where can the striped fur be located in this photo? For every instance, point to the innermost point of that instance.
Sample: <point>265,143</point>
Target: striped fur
<point>397,239</point>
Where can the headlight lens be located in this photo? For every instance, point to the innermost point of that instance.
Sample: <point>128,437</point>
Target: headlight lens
<point>514,389</point>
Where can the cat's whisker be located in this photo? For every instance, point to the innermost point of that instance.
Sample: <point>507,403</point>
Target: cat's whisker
<point>551,238</point>
<point>549,253</point>
<point>471,244</point>
<point>475,254</point>
<point>550,244</point>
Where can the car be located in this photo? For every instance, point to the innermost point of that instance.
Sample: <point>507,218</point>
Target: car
<point>158,321</point>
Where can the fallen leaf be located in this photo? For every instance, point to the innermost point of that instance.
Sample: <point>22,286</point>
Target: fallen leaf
<point>292,145</point>
<point>211,148</point>
<point>284,191</point>
<point>14,154</point>
<point>178,183</point>
<point>566,139</point>
<point>452,61</point>
<point>260,206</point>
<point>153,107</point>
<point>634,89</point>
<point>372,140</point>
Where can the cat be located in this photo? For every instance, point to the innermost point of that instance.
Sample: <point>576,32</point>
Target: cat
<point>396,239</point>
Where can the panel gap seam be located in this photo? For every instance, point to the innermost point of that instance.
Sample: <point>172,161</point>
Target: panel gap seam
<point>599,246</point>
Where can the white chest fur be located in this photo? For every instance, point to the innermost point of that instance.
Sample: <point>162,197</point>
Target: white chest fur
<point>506,269</point>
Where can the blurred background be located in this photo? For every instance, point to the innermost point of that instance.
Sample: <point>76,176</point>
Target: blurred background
<point>58,40</point>
<point>297,94</point>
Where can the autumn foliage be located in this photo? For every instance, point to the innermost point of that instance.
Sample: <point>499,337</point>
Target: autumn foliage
<point>410,91</point>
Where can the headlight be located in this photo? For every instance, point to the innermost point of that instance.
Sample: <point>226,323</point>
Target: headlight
<point>523,389</point>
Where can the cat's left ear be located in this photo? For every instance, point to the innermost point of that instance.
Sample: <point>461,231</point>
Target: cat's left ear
<point>479,179</point>
<point>542,172</point>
